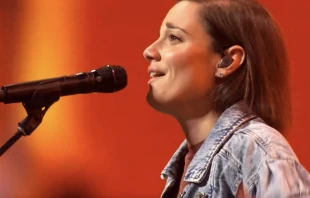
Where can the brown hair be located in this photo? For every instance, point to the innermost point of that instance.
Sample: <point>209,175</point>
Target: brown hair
<point>262,80</point>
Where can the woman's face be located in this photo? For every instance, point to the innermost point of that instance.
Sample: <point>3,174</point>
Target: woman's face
<point>182,63</point>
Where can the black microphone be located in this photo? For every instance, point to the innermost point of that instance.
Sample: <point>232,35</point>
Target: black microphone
<point>107,79</point>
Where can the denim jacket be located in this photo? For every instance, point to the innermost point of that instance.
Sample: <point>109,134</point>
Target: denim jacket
<point>240,149</point>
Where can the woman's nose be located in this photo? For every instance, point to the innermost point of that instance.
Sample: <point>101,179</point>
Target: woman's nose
<point>151,54</point>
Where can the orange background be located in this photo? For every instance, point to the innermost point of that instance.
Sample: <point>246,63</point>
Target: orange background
<point>108,145</point>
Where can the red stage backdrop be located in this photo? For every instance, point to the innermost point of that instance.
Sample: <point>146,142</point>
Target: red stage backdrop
<point>108,145</point>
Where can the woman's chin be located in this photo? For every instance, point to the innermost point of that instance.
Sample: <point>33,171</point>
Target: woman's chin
<point>157,102</point>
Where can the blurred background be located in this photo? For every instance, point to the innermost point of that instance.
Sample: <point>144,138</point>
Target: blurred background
<point>108,145</point>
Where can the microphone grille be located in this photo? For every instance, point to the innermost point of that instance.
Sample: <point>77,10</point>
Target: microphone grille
<point>116,74</point>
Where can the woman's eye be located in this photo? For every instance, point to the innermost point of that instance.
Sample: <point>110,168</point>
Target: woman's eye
<point>173,38</point>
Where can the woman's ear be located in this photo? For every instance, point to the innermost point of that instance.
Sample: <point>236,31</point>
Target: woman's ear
<point>233,59</point>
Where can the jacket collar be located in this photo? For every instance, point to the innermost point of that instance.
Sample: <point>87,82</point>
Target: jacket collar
<point>229,121</point>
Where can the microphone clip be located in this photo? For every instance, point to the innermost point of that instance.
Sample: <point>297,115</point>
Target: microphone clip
<point>36,109</point>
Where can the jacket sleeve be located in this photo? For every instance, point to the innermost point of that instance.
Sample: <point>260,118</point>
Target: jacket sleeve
<point>280,178</point>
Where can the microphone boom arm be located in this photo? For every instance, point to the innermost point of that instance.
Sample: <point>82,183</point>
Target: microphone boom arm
<point>36,109</point>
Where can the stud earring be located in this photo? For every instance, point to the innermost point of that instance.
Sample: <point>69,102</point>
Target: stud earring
<point>220,75</point>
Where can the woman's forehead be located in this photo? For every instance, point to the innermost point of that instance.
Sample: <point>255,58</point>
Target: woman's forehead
<point>183,15</point>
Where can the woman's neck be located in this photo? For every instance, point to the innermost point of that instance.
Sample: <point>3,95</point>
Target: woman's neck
<point>197,129</point>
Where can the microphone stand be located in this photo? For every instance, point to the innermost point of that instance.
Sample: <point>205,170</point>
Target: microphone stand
<point>36,108</point>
